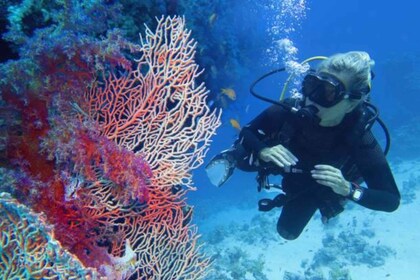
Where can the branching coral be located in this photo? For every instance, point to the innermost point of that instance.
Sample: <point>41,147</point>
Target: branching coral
<point>110,168</point>
<point>157,108</point>
<point>28,249</point>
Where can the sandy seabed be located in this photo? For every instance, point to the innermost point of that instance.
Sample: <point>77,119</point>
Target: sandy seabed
<point>358,244</point>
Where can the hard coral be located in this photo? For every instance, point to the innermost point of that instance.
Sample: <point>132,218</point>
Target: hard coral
<point>29,249</point>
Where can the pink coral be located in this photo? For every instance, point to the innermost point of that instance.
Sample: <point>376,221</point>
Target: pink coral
<point>158,108</point>
<point>29,249</point>
<point>103,166</point>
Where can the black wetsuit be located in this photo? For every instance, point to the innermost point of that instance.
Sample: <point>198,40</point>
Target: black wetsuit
<point>340,146</point>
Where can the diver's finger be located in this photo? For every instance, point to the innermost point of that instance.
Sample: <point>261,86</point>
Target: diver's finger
<point>291,155</point>
<point>332,179</point>
<point>335,174</point>
<point>284,159</point>
<point>276,161</point>
<point>325,167</point>
<point>284,156</point>
<point>290,158</point>
<point>286,153</point>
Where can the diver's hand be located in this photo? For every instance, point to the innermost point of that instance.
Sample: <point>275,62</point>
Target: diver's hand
<point>278,155</point>
<point>332,177</point>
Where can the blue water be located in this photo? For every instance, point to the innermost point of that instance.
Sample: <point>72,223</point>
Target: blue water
<point>233,37</point>
<point>387,30</point>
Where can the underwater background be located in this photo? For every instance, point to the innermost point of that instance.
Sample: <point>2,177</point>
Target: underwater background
<point>93,186</point>
<point>359,243</point>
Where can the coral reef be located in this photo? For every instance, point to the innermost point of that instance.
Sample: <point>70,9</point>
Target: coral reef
<point>106,158</point>
<point>409,189</point>
<point>345,249</point>
<point>345,246</point>
<point>335,273</point>
<point>174,135</point>
<point>29,250</point>
<point>223,51</point>
<point>240,265</point>
<point>222,54</point>
<point>350,248</point>
<point>235,263</point>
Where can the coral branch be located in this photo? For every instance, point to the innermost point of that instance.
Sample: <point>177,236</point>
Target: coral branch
<point>157,108</point>
<point>28,249</point>
<point>116,163</point>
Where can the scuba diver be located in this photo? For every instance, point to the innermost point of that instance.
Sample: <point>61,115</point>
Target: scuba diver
<point>321,145</point>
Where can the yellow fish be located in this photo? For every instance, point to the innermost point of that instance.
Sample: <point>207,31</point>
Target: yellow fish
<point>229,92</point>
<point>235,124</point>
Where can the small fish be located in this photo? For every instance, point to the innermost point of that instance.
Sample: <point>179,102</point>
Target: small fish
<point>212,19</point>
<point>229,92</point>
<point>235,124</point>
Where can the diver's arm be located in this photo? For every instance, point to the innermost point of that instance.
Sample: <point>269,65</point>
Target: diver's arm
<point>382,193</point>
<point>254,135</point>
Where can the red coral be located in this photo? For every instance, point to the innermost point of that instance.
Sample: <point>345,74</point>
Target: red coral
<point>103,171</point>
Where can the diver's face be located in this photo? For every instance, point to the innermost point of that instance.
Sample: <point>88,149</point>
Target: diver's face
<point>333,116</point>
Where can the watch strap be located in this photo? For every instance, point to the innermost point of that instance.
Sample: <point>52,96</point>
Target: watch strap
<point>356,192</point>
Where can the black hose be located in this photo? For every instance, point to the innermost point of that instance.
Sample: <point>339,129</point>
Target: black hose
<point>275,102</point>
<point>387,135</point>
<point>375,116</point>
<point>372,120</point>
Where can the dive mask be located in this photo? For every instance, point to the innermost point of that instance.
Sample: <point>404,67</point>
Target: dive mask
<point>327,90</point>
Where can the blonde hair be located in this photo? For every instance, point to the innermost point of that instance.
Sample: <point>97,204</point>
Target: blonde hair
<point>355,66</point>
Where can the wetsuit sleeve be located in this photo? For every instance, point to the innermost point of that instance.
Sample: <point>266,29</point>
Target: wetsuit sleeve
<point>382,193</point>
<point>254,135</point>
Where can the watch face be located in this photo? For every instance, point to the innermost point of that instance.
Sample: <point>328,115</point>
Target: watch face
<point>357,194</point>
